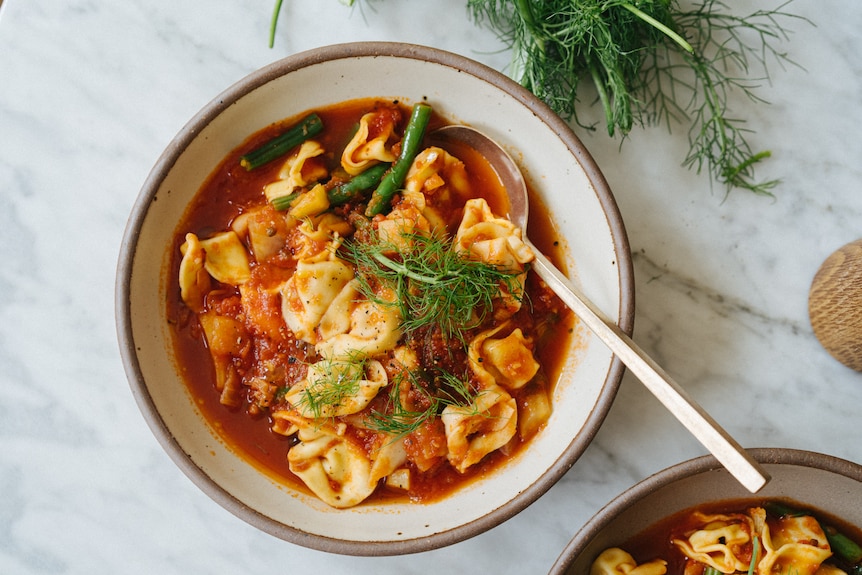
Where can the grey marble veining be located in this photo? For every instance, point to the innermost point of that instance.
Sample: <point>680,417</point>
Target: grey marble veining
<point>90,93</point>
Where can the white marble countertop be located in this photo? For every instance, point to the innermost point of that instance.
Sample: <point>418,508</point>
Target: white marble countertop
<point>90,93</point>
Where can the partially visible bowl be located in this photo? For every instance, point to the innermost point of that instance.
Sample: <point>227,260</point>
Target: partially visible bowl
<point>820,482</point>
<point>558,168</point>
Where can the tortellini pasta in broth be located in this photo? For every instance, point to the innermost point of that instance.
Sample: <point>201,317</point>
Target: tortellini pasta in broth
<point>333,338</point>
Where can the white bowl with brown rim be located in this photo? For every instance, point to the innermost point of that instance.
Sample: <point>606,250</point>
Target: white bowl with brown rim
<point>559,170</point>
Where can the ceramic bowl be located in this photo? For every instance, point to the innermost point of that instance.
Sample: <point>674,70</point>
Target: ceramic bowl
<point>814,480</point>
<point>557,166</point>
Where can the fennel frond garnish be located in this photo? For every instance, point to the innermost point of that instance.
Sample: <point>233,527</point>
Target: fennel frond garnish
<point>651,62</point>
<point>432,284</point>
<point>336,380</point>
<point>398,420</point>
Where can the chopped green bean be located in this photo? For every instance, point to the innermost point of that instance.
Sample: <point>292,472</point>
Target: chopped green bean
<point>413,134</point>
<point>778,509</point>
<point>282,203</point>
<point>355,186</point>
<point>342,193</point>
<point>843,546</point>
<point>309,126</point>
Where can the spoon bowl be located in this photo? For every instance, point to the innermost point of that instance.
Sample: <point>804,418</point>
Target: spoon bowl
<point>722,446</point>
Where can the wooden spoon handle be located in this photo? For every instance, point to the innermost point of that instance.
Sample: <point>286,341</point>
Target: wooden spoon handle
<point>722,446</point>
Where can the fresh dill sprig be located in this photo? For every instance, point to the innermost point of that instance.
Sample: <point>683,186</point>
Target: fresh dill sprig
<point>398,421</point>
<point>650,61</point>
<point>335,380</point>
<point>432,283</point>
<point>730,49</point>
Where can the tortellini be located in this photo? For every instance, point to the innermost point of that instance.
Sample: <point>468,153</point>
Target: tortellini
<point>371,143</point>
<point>316,234</point>
<point>311,203</point>
<point>615,561</point>
<point>794,545</point>
<point>223,256</point>
<point>388,459</point>
<point>311,289</point>
<point>266,230</point>
<point>719,542</point>
<point>336,388</point>
<point>497,241</point>
<point>475,430</point>
<point>490,238</point>
<point>797,544</point>
<point>333,466</point>
<point>509,360</point>
<point>353,326</point>
<point>404,221</point>
<point>435,171</point>
<point>194,279</point>
<point>300,170</point>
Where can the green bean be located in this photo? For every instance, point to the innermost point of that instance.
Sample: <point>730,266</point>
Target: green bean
<point>392,180</point>
<point>342,193</point>
<point>843,546</point>
<point>309,126</point>
<point>282,203</point>
<point>359,183</point>
<point>778,509</point>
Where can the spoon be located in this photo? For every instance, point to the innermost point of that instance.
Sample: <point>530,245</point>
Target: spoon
<point>722,446</point>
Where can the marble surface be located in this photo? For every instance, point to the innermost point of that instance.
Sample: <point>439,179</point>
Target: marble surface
<point>90,93</point>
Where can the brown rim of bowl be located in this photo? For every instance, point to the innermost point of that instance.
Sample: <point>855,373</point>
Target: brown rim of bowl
<point>690,468</point>
<point>166,161</point>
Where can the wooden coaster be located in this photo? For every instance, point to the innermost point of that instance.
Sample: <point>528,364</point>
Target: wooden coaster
<point>835,305</point>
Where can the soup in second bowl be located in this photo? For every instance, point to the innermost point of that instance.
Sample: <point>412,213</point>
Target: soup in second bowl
<point>755,537</point>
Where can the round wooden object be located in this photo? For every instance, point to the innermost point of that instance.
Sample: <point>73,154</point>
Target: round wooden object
<point>835,305</point>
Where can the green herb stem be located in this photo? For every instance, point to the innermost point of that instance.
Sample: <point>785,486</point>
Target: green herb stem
<point>778,509</point>
<point>404,270</point>
<point>273,22</point>
<point>399,421</point>
<point>755,556</point>
<point>666,30</point>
